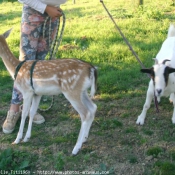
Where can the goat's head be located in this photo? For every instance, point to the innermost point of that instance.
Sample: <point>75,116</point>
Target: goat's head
<point>160,76</point>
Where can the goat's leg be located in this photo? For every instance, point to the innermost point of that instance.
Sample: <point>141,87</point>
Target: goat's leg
<point>173,100</point>
<point>35,102</point>
<point>27,99</point>
<point>149,97</point>
<point>92,108</point>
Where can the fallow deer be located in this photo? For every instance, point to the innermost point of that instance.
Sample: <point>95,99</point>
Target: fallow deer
<point>72,77</point>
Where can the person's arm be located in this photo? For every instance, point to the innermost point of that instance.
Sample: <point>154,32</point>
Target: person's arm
<point>41,7</point>
<point>35,4</point>
<point>53,11</point>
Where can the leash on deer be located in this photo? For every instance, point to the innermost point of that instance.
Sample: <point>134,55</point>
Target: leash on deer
<point>52,51</point>
<point>130,47</point>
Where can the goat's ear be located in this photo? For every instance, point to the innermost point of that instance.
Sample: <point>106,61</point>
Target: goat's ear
<point>171,70</point>
<point>7,33</point>
<point>148,71</point>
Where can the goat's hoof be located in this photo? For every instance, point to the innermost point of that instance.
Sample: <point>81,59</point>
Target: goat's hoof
<point>171,101</point>
<point>139,122</point>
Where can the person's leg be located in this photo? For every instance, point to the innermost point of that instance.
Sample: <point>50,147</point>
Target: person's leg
<point>30,49</point>
<point>31,31</point>
<point>14,112</point>
<point>16,100</point>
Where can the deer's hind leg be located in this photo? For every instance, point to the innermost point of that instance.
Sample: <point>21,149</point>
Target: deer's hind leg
<point>85,115</point>
<point>92,107</point>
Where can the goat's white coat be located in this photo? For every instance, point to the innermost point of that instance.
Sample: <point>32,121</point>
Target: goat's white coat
<point>167,51</point>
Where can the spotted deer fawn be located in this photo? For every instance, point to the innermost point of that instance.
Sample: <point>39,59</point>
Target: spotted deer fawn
<point>72,77</point>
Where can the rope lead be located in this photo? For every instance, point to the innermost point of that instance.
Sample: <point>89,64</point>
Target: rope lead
<point>130,47</point>
<point>53,46</point>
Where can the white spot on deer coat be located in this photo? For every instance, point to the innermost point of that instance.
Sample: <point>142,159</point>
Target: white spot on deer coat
<point>64,73</point>
<point>54,78</point>
<point>76,78</point>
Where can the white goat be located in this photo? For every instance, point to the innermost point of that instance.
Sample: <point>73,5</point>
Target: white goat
<point>162,81</point>
<point>72,77</point>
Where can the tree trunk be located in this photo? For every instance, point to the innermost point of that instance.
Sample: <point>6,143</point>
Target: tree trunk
<point>73,1</point>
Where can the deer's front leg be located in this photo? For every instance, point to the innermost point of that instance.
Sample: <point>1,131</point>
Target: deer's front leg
<point>33,109</point>
<point>26,106</point>
<point>149,97</point>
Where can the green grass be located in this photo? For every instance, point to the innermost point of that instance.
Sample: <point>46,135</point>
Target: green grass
<point>116,144</point>
<point>154,151</point>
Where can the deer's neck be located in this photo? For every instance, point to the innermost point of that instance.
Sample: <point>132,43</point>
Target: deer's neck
<point>9,59</point>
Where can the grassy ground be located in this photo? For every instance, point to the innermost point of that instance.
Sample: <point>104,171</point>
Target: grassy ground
<point>116,144</point>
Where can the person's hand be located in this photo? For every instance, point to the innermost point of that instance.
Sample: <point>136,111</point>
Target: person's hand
<point>53,11</point>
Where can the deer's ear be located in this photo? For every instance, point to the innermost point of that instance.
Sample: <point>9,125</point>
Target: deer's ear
<point>7,33</point>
